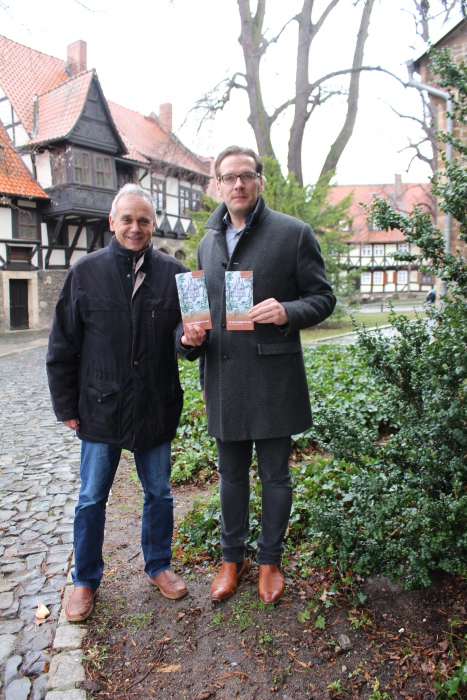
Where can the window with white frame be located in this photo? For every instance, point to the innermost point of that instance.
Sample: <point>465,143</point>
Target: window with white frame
<point>377,278</point>
<point>402,277</point>
<point>366,251</point>
<point>379,249</point>
<point>403,247</point>
<point>365,278</point>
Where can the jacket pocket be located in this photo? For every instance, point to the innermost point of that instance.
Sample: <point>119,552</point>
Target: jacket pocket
<point>285,347</point>
<point>100,406</point>
<point>170,408</point>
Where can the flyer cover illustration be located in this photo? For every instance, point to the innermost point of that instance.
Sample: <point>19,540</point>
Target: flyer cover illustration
<point>193,296</point>
<point>239,300</point>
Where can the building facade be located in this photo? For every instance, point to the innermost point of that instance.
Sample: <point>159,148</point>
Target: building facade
<point>76,149</point>
<point>371,250</point>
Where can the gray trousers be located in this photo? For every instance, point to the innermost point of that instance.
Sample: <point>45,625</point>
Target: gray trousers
<point>273,468</point>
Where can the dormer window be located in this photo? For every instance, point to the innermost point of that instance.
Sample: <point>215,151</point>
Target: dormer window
<point>58,163</point>
<point>81,167</point>
<point>27,225</point>
<point>103,172</point>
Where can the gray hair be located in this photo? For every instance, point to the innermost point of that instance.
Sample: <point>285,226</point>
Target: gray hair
<point>131,190</point>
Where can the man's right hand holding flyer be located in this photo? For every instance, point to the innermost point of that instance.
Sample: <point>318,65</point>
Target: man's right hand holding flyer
<point>193,335</point>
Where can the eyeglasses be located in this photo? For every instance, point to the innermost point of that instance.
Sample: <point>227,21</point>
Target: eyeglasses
<point>230,179</point>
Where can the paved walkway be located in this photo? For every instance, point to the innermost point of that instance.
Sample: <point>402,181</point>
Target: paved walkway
<point>39,463</point>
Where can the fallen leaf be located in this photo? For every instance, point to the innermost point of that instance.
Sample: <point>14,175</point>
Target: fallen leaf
<point>169,669</point>
<point>42,612</point>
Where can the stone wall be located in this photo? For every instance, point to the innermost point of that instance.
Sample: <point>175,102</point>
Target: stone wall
<point>50,283</point>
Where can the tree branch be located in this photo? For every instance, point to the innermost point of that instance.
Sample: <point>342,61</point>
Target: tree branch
<point>342,139</point>
<point>267,42</point>
<point>322,19</point>
<point>280,109</point>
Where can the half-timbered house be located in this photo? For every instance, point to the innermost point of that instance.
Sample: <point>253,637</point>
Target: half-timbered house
<point>370,250</point>
<point>77,149</point>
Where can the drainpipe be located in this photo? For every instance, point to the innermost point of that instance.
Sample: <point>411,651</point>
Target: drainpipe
<point>449,151</point>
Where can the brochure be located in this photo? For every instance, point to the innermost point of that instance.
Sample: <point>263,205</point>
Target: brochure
<point>239,300</point>
<point>193,296</point>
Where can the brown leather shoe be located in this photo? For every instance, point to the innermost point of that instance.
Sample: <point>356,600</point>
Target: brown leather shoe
<point>170,585</point>
<point>226,581</point>
<point>80,604</point>
<point>271,583</point>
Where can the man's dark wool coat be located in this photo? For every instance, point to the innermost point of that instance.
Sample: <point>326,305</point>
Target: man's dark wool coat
<point>255,381</point>
<point>111,360</point>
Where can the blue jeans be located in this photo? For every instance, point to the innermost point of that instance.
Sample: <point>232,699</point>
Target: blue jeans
<point>99,464</point>
<point>276,499</point>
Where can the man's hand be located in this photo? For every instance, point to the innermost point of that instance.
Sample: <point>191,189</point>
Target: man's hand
<point>269,311</point>
<point>194,336</point>
<point>73,424</point>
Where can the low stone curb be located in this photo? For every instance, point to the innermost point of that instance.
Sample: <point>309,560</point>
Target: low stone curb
<point>66,667</point>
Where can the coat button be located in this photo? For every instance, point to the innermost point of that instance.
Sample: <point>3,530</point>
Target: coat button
<point>135,362</point>
<point>99,400</point>
<point>128,275</point>
<point>224,358</point>
<point>224,325</point>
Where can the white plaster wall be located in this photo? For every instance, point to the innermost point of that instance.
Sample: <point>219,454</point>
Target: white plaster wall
<point>171,186</point>
<point>27,160</point>
<point>57,257</point>
<point>172,204</point>
<point>146,182</point>
<point>5,222</point>
<point>77,254</point>
<point>43,169</point>
<point>82,242</point>
<point>21,135</point>
<point>44,236</point>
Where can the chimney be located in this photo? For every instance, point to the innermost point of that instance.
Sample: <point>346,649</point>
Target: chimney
<point>398,189</point>
<point>165,116</point>
<point>77,58</point>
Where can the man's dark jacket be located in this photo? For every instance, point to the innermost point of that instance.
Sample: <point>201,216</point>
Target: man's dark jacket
<point>255,381</point>
<point>111,360</point>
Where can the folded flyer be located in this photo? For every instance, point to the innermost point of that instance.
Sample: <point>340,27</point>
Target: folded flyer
<point>193,296</point>
<point>239,300</point>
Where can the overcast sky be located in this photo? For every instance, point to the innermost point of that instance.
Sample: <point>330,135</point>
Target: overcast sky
<point>147,52</point>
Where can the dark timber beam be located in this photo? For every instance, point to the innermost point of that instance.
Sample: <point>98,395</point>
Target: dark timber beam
<point>69,252</point>
<point>100,229</point>
<point>33,252</point>
<point>55,236</point>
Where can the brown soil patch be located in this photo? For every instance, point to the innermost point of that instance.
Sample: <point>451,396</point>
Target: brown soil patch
<point>141,645</point>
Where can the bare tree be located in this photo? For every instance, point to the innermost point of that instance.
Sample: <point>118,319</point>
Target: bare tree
<point>307,95</point>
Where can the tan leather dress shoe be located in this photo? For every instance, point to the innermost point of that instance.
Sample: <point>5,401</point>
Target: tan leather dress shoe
<point>170,585</point>
<point>271,583</point>
<point>226,581</point>
<point>80,604</point>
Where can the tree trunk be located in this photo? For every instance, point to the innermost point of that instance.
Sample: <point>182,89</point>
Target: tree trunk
<point>251,40</point>
<point>340,143</point>
<point>302,91</point>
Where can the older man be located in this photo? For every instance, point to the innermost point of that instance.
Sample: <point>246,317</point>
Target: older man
<point>113,378</point>
<point>254,380</point>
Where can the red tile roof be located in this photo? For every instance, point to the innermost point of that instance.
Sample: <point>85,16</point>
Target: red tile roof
<point>146,138</point>
<point>407,197</point>
<point>60,108</point>
<point>14,177</point>
<point>24,73</point>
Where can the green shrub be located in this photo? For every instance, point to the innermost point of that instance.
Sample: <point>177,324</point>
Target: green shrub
<point>193,451</point>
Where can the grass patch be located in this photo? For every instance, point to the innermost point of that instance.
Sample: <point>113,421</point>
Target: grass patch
<point>330,327</point>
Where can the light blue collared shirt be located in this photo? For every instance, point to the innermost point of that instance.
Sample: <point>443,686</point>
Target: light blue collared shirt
<point>232,234</point>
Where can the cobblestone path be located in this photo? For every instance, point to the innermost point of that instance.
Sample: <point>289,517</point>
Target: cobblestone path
<point>39,481</point>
